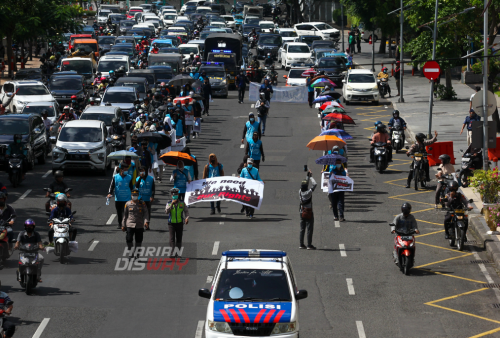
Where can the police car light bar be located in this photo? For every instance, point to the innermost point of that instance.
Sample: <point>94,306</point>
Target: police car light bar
<point>221,51</point>
<point>254,253</point>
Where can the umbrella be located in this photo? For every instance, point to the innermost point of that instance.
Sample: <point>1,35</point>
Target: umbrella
<point>330,159</point>
<point>332,93</point>
<point>162,139</point>
<point>331,103</point>
<point>333,109</point>
<point>197,96</point>
<point>342,118</point>
<point>189,98</point>
<point>319,77</point>
<point>181,80</point>
<point>326,142</point>
<point>308,72</point>
<point>341,134</point>
<point>322,80</point>
<point>121,154</point>
<point>322,98</point>
<point>323,84</point>
<point>172,157</point>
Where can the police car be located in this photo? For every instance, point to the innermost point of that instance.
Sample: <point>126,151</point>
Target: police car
<point>253,293</point>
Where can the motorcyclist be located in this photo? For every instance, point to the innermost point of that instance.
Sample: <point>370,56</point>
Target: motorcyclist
<point>255,62</point>
<point>7,212</point>
<point>7,305</point>
<point>269,60</point>
<point>58,186</point>
<point>147,106</point>
<point>233,10</point>
<point>446,169</point>
<point>454,200</point>
<point>384,75</point>
<point>477,157</point>
<point>195,61</point>
<point>144,42</point>
<point>120,72</point>
<point>155,49</point>
<point>140,124</point>
<point>18,148</point>
<point>30,236</point>
<point>273,74</point>
<point>381,136</point>
<point>190,61</point>
<point>112,76</point>
<point>103,85</point>
<point>61,211</point>
<point>404,223</point>
<point>66,115</point>
<point>157,100</point>
<point>397,123</point>
<point>116,129</point>
<point>419,146</point>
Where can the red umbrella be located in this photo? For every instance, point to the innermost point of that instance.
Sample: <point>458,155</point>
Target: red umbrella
<point>308,72</point>
<point>188,98</point>
<point>329,103</point>
<point>342,118</point>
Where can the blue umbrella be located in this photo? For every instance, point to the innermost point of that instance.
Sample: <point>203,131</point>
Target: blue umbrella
<point>330,159</point>
<point>337,132</point>
<point>323,98</point>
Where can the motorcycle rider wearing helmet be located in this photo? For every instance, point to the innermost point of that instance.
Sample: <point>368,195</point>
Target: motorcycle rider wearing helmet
<point>418,147</point>
<point>255,62</point>
<point>7,212</point>
<point>57,186</point>
<point>446,169</point>
<point>157,100</point>
<point>147,106</point>
<point>405,223</point>
<point>103,85</point>
<point>397,123</point>
<point>66,115</point>
<point>454,200</point>
<point>116,129</point>
<point>17,147</point>
<point>141,123</point>
<point>61,211</point>
<point>272,73</point>
<point>30,236</point>
<point>269,60</point>
<point>112,76</point>
<point>155,49</point>
<point>381,136</point>
<point>384,75</point>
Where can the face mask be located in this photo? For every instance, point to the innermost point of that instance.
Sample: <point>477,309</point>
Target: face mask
<point>18,141</point>
<point>135,197</point>
<point>175,197</point>
<point>123,173</point>
<point>73,101</point>
<point>252,120</point>
<point>338,166</point>
<point>2,204</point>
<point>249,166</point>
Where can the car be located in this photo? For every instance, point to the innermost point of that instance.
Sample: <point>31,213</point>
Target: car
<point>218,24</point>
<point>295,78</point>
<point>149,74</point>
<point>257,287</point>
<point>112,62</point>
<point>293,52</point>
<point>162,73</point>
<point>122,97</point>
<point>251,20</point>
<point>308,39</point>
<point>230,22</point>
<point>360,85</point>
<point>217,77</point>
<point>133,11</point>
<point>191,3</point>
<point>126,39</point>
<point>105,43</point>
<point>186,49</point>
<point>52,109</point>
<point>365,34</point>
<point>203,10</point>
<point>320,43</point>
<point>62,87</point>
<point>169,19</point>
<point>32,129</point>
<point>334,67</point>
<point>139,83</point>
<point>327,52</point>
<point>146,7</point>
<point>103,113</point>
<point>82,144</point>
<point>74,37</point>
<point>322,29</point>
<point>218,8</point>
<point>268,43</point>
<point>29,74</point>
<point>116,18</point>
<point>102,16</point>
<point>125,47</point>
<point>288,34</point>
<point>238,18</point>
<point>168,50</point>
<point>266,26</point>
<point>125,25</point>
<point>26,91</point>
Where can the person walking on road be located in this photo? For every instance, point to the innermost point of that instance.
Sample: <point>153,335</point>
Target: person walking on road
<point>178,215</point>
<point>358,40</point>
<point>207,93</point>
<point>262,106</point>
<point>267,89</point>
<point>180,177</point>
<point>468,123</point>
<point>337,198</point>
<point>146,185</point>
<point>193,169</point>
<point>121,186</point>
<point>241,84</point>
<point>306,211</point>
<point>251,126</point>
<point>135,220</point>
<point>310,90</point>
<point>250,172</point>
<point>397,75</point>
<point>213,169</point>
<point>255,150</point>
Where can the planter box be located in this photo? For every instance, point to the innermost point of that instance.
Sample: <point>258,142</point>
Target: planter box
<point>470,77</point>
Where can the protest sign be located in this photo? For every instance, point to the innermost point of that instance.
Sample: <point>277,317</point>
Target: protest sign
<point>340,183</point>
<point>296,94</point>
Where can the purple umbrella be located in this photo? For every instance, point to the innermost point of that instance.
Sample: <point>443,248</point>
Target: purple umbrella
<point>330,159</point>
<point>341,134</point>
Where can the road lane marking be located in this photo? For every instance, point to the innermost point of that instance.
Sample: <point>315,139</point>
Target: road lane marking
<point>486,274</point>
<point>337,224</point>
<point>210,279</point>
<point>223,215</point>
<point>216,248</point>
<point>110,220</point>
<point>342,250</point>
<point>444,260</point>
<point>47,174</point>
<point>40,329</point>
<point>361,329</point>
<point>221,223</point>
<point>242,146</point>
<point>25,194</point>
<point>234,175</point>
<point>350,286</point>
<point>253,105</point>
<point>93,245</point>
<point>199,329</point>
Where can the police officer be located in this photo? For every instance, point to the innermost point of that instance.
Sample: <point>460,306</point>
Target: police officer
<point>121,186</point>
<point>178,216</point>
<point>146,186</point>
<point>135,219</point>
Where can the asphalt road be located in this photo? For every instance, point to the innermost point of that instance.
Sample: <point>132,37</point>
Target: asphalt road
<point>443,297</point>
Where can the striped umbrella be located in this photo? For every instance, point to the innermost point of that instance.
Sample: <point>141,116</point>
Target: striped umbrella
<point>341,134</point>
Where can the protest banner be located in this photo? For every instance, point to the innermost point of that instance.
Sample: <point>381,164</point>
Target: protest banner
<point>324,181</point>
<point>340,183</point>
<point>296,94</point>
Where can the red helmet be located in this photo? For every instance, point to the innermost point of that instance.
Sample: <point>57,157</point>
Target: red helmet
<point>196,56</point>
<point>103,78</point>
<point>73,97</point>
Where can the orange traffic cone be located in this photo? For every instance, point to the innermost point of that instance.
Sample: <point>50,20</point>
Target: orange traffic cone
<point>370,40</point>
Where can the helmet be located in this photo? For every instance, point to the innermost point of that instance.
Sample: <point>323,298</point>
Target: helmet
<point>262,94</point>
<point>445,158</point>
<point>196,56</point>
<point>91,101</point>
<point>145,37</point>
<point>377,123</point>
<point>141,112</point>
<point>406,208</point>
<point>162,84</point>
<point>268,55</point>
<point>58,173</point>
<point>29,223</point>
<point>137,107</point>
<point>420,137</point>
<point>52,58</point>
<point>191,54</point>
<point>381,128</point>
<point>395,113</point>
<point>121,69</point>
<point>3,196</point>
<point>174,191</point>
<point>61,200</point>
<point>255,57</point>
<point>111,72</point>
<point>73,97</point>
<point>152,128</point>
<point>157,95</point>
<point>115,121</point>
<point>103,78</point>
<point>66,108</point>
<point>453,186</point>
<point>384,69</point>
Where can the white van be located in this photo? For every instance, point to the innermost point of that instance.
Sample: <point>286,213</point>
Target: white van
<point>112,62</point>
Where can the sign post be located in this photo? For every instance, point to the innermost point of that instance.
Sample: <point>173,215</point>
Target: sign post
<point>431,71</point>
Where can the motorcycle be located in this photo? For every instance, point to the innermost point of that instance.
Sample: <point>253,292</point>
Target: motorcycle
<point>458,227</point>
<point>273,78</point>
<point>2,316</point>
<point>383,86</point>
<point>397,139</point>
<point>5,247</point>
<point>15,169</point>
<point>53,196</point>
<point>252,40</point>
<point>61,237</point>
<point>380,156</point>
<point>404,250</point>
<point>418,168</point>
<point>27,274</point>
<point>116,144</point>
<point>444,180</point>
<point>467,169</point>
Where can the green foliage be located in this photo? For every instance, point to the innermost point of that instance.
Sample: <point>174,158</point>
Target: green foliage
<point>373,14</point>
<point>445,93</point>
<point>487,183</point>
<point>477,68</point>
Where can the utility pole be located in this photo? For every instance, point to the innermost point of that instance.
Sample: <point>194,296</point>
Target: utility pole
<point>401,20</point>
<point>342,21</point>
<point>431,97</point>
<point>373,49</point>
<point>485,88</point>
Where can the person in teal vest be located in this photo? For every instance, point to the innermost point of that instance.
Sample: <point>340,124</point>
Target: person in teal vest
<point>180,177</point>
<point>193,169</point>
<point>121,186</point>
<point>177,124</point>
<point>178,215</point>
<point>250,127</point>
<point>213,169</point>
<point>255,150</point>
<point>251,173</point>
<point>146,186</point>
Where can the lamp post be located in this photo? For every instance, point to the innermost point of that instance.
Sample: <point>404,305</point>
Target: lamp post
<point>342,21</point>
<point>485,88</point>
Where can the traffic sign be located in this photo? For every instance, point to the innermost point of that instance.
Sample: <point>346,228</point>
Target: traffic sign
<point>477,103</point>
<point>431,70</point>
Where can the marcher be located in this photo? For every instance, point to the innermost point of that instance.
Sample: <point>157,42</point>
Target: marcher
<point>180,177</point>
<point>337,198</point>
<point>255,150</point>
<point>121,186</point>
<point>178,216</point>
<point>8,327</point>
<point>188,119</point>
<point>267,89</point>
<point>241,84</point>
<point>213,169</point>
<point>262,106</point>
<point>207,94</point>
<point>146,158</point>
<point>250,127</point>
<point>146,186</point>
<point>135,220</point>
<point>193,169</point>
<point>468,123</point>
<point>250,172</point>
<point>306,211</point>
<point>310,90</point>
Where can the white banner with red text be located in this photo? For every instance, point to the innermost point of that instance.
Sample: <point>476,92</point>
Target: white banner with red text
<point>340,183</point>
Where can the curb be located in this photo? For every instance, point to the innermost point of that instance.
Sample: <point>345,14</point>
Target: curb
<point>490,243</point>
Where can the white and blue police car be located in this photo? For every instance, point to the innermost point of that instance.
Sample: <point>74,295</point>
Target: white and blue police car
<point>253,293</point>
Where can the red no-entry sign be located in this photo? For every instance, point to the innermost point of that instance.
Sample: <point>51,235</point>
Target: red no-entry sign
<point>431,70</point>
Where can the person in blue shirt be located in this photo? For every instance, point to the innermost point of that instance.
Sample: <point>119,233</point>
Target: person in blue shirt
<point>121,186</point>
<point>267,89</point>
<point>186,89</point>
<point>181,177</point>
<point>193,169</point>
<point>213,169</point>
<point>146,186</point>
<point>255,150</point>
<point>251,126</point>
<point>468,123</point>
<point>177,124</point>
<point>337,198</point>
<point>251,173</point>
<point>396,123</point>
<point>310,90</point>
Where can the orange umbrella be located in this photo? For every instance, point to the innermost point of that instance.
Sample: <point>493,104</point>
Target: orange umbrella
<point>325,142</point>
<point>172,157</point>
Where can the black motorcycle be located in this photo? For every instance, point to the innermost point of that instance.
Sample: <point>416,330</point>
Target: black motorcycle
<point>468,165</point>
<point>417,166</point>
<point>15,169</point>
<point>380,156</point>
<point>383,86</point>
<point>445,181</point>
<point>27,274</point>
<point>458,226</point>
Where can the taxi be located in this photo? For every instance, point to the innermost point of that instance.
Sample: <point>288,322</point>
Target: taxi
<point>253,293</point>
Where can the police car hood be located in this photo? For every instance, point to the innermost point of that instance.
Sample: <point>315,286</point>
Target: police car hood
<point>252,312</point>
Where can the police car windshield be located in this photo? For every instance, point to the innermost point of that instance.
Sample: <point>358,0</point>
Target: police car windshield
<point>214,73</point>
<point>262,285</point>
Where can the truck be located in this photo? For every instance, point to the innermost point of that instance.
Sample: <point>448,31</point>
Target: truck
<point>225,48</point>
<point>253,11</point>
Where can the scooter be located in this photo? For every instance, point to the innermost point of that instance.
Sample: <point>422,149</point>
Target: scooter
<point>61,237</point>
<point>458,227</point>
<point>383,86</point>
<point>444,180</point>
<point>467,169</point>
<point>53,196</point>
<point>15,169</point>
<point>404,250</point>
<point>27,274</point>
<point>380,156</point>
<point>418,168</point>
<point>397,140</point>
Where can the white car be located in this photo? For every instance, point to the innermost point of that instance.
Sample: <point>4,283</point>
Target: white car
<point>287,34</point>
<point>197,2</point>
<point>230,22</point>
<point>293,52</point>
<point>168,10</point>
<point>365,34</point>
<point>169,19</point>
<point>102,16</point>
<point>360,85</point>
<point>183,18</point>
<point>253,293</point>
<point>218,24</point>
<point>266,26</point>
<point>112,62</point>
<point>52,109</point>
<point>295,78</point>
<point>27,91</point>
<point>186,49</point>
<point>322,29</point>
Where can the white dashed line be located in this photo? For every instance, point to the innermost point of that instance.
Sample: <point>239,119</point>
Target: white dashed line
<point>25,194</point>
<point>242,146</point>
<point>110,220</point>
<point>342,250</point>
<point>93,245</point>
<point>216,248</point>
<point>361,330</point>
<point>221,223</point>
<point>199,329</point>
<point>350,286</point>
<point>223,215</point>
<point>210,279</point>
<point>40,329</point>
<point>253,105</point>
<point>337,224</point>
<point>47,174</point>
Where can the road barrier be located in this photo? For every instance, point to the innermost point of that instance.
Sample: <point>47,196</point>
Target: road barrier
<point>438,149</point>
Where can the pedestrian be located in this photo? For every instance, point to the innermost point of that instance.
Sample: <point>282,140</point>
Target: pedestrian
<point>337,198</point>
<point>197,112</point>
<point>188,119</point>
<point>213,169</point>
<point>349,59</point>
<point>250,172</point>
<point>146,158</point>
<point>241,84</point>
<point>146,186</point>
<point>178,216</point>
<point>397,75</point>
<point>267,89</point>
<point>207,95</point>
<point>310,89</point>
<point>352,42</point>
<point>262,106</point>
<point>358,40</point>
<point>477,89</point>
<point>468,123</point>
<point>306,211</point>
<point>135,220</point>
<point>180,177</point>
<point>121,186</point>
<point>255,150</point>
<point>250,126</point>
<point>177,124</point>
<point>193,169</point>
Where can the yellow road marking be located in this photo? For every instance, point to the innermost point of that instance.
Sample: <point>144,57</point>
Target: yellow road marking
<point>444,260</point>
<point>413,193</point>
<point>399,179</point>
<point>430,233</point>
<point>455,296</point>
<point>486,333</point>
<point>439,247</point>
<point>448,275</point>
<point>465,313</point>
